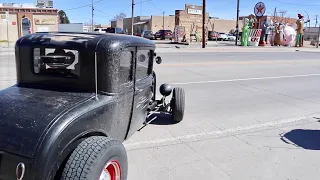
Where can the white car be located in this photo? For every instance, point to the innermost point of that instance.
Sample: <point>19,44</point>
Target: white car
<point>222,37</point>
<point>100,30</point>
<point>231,37</point>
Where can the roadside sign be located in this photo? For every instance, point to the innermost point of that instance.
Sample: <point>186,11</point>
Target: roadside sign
<point>259,9</point>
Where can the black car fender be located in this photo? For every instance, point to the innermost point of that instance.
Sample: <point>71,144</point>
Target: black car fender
<point>64,136</point>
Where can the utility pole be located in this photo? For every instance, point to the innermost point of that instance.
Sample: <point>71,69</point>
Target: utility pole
<point>237,23</point>
<point>318,37</point>
<point>163,20</point>
<point>203,24</point>
<point>92,14</point>
<point>132,17</point>
<point>316,21</point>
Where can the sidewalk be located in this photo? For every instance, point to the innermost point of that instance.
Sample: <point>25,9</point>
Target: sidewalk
<point>236,49</point>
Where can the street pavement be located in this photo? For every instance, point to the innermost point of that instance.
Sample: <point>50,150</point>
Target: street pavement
<point>249,115</point>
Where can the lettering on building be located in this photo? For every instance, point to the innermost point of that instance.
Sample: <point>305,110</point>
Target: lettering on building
<point>45,21</point>
<point>194,11</point>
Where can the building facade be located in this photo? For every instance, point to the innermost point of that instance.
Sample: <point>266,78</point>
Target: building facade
<point>190,19</point>
<point>16,22</point>
<point>311,33</point>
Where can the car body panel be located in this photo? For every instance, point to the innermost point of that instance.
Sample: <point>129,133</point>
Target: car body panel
<point>222,36</point>
<point>231,37</point>
<point>26,113</point>
<point>164,34</point>
<point>148,34</point>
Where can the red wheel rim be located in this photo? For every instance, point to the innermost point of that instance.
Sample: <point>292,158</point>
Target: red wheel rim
<point>111,171</point>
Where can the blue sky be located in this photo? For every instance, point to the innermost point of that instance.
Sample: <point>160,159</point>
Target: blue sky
<point>225,9</point>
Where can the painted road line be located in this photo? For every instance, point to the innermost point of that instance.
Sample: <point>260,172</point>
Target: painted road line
<point>216,134</point>
<point>246,79</point>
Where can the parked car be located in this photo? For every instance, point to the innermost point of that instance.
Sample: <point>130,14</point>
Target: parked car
<point>231,37</point>
<point>148,34</point>
<point>137,34</point>
<point>222,37</point>
<point>78,97</point>
<point>115,30</point>
<point>212,35</point>
<point>163,34</point>
<point>100,30</point>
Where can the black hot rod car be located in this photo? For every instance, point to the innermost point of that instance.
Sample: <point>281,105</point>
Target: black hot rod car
<point>78,97</point>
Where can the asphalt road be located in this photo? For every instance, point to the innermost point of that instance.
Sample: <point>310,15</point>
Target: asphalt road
<point>249,115</point>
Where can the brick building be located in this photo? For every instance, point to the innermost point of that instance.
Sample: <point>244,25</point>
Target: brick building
<point>190,19</point>
<point>24,20</point>
<point>141,23</point>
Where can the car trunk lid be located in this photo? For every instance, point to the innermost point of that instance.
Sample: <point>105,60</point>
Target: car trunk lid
<point>26,114</point>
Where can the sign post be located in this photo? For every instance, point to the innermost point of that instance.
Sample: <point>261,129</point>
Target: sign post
<point>7,19</point>
<point>259,10</point>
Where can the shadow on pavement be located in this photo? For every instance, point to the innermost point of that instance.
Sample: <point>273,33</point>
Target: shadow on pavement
<point>304,138</point>
<point>161,119</point>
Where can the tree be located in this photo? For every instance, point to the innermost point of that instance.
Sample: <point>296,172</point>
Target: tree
<point>63,18</point>
<point>119,17</point>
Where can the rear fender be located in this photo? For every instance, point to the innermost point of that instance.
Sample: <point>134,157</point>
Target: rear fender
<point>65,135</point>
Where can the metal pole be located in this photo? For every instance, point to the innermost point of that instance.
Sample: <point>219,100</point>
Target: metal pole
<point>132,16</point>
<point>163,20</point>
<point>92,23</point>
<point>8,32</point>
<point>318,37</point>
<point>237,23</point>
<point>203,24</point>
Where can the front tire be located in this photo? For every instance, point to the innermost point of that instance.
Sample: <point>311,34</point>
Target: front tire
<point>97,158</point>
<point>177,104</point>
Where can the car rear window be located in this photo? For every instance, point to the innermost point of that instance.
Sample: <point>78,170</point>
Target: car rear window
<point>57,62</point>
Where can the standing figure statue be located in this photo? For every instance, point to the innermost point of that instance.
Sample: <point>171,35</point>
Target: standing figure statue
<point>289,35</point>
<point>251,23</point>
<point>244,36</point>
<point>271,32</point>
<point>299,30</point>
<point>264,35</point>
<point>197,36</point>
<point>277,36</point>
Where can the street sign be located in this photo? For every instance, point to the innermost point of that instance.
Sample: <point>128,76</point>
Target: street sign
<point>259,9</point>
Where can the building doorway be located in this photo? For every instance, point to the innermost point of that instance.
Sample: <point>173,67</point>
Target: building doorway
<point>25,26</point>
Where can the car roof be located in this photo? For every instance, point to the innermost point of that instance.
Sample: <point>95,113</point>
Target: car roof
<point>78,40</point>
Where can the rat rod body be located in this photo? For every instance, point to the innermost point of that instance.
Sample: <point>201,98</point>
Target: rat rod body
<point>56,116</point>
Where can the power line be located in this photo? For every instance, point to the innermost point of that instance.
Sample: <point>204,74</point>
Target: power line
<point>103,12</point>
<point>294,3</point>
<point>79,7</point>
<point>155,6</point>
<point>121,10</point>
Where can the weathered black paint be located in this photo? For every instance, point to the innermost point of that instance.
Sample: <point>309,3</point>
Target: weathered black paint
<point>42,119</point>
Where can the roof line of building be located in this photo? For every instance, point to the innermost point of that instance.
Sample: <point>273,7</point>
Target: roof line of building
<point>28,10</point>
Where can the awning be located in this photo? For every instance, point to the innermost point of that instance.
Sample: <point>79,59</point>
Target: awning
<point>139,23</point>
